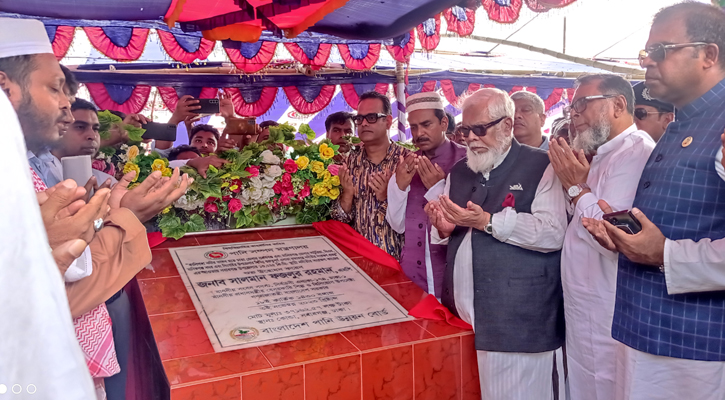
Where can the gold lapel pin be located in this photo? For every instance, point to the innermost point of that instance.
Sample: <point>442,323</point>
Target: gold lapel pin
<point>687,141</point>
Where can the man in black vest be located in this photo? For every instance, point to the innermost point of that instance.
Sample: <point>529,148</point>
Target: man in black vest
<point>504,219</point>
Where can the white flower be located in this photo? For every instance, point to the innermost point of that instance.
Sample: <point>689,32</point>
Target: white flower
<point>124,147</point>
<point>268,182</point>
<point>255,182</point>
<point>269,158</point>
<point>187,204</point>
<point>273,171</point>
<point>267,194</point>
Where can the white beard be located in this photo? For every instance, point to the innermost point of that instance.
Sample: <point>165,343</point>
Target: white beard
<point>483,163</point>
<point>591,139</point>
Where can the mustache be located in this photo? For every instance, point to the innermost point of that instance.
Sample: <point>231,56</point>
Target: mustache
<point>422,140</point>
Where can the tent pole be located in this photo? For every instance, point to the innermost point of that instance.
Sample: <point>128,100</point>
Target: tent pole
<point>400,96</point>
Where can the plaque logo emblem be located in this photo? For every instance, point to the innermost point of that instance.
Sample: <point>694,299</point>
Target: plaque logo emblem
<point>216,255</point>
<point>687,141</point>
<point>244,334</point>
<point>646,95</point>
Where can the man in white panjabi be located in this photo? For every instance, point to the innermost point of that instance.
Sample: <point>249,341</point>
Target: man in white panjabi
<point>40,356</point>
<point>503,216</point>
<point>602,115</point>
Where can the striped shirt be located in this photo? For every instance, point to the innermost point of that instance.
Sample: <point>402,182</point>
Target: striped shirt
<point>367,215</point>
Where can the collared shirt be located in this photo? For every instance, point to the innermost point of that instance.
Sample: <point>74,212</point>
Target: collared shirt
<point>589,271</point>
<point>367,215</point>
<point>545,144</point>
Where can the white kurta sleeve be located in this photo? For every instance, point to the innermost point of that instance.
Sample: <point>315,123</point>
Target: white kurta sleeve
<point>696,266</point>
<point>618,185</point>
<point>397,204</point>
<point>434,236</point>
<point>81,267</point>
<point>543,230</point>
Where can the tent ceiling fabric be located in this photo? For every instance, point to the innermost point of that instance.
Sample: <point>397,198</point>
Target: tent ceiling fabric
<point>247,20</point>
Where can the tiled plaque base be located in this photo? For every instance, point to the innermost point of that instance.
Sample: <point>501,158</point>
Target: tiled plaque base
<point>416,360</point>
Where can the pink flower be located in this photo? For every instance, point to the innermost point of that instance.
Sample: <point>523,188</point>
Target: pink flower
<point>111,169</point>
<point>287,179</point>
<point>99,165</point>
<point>334,169</point>
<point>290,166</point>
<point>253,171</point>
<point>234,205</point>
<point>304,192</point>
<point>226,198</point>
<point>284,200</point>
<point>211,208</point>
<point>277,187</point>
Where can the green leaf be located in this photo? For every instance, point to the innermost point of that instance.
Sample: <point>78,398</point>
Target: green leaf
<point>107,150</point>
<point>171,226</point>
<point>308,132</point>
<point>106,119</point>
<point>134,134</point>
<point>195,224</point>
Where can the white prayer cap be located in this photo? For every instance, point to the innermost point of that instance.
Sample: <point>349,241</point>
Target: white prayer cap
<point>424,101</point>
<point>19,37</point>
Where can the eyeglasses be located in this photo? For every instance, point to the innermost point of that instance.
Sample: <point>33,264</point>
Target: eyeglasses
<point>658,52</point>
<point>581,104</point>
<point>479,129</point>
<point>371,118</point>
<point>642,114</point>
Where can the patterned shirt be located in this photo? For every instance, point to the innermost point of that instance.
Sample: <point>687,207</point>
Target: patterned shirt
<point>367,215</point>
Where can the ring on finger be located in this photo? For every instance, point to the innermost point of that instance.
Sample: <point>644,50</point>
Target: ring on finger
<point>98,224</point>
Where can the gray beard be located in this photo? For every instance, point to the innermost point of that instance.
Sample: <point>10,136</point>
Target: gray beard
<point>483,163</point>
<point>591,139</point>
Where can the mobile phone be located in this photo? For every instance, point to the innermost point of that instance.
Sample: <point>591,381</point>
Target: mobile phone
<point>159,131</point>
<point>208,106</point>
<point>624,220</point>
<point>241,126</point>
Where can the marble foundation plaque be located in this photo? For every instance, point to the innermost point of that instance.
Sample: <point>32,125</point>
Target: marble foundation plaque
<point>256,293</point>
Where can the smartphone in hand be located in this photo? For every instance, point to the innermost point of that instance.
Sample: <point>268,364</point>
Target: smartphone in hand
<point>208,106</point>
<point>159,131</point>
<point>624,220</point>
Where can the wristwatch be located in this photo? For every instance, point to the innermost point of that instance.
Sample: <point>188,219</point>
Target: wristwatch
<point>489,227</point>
<point>575,190</point>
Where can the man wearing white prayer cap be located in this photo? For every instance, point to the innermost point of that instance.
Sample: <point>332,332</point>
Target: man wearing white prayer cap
<point>421,177</point>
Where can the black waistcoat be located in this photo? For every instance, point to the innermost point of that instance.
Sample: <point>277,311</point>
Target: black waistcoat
<point>518,299</point>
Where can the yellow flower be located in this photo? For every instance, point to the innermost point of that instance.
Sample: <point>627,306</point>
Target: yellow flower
<point>317,167</point>
<point>158,165</point>
<point>334,193</point>
<point>132,153</point>
<point>324,175</point>
<point>335,180</point>
<point>166,210</point>
<point>131,167</point>
<point>225,176</point>
<point>302,162</point>
<point>319,190</point>
<point>326,152</point>
<point>167,172</point>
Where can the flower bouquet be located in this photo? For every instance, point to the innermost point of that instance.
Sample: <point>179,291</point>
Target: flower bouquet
<point>262,184</point>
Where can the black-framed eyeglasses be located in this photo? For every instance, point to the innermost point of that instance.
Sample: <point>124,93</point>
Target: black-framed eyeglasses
<point>642,114</point>
<point>658,52</point>
<point>478,129</point>
<point>581,104</point>
<point>371,118</point>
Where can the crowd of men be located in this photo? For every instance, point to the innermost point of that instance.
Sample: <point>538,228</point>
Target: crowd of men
<point>506,227</point>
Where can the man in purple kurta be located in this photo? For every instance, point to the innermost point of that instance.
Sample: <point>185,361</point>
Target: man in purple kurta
<point>420,177</point>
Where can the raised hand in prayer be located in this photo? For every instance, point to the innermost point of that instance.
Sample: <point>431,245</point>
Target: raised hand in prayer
<point>201,164</point>
<point>430,174</point>
<point>405,171</point>
<point>379,184</point>
<point>646,247</point>
<point>435,215</point>
<point>92,187</point>
<point>66,216</point>
<point>472,216</point>
<point>152,196</point>
<point>66,253</point>
<point>185,107</point>
<point>571,167</point>
<point>349,190</point>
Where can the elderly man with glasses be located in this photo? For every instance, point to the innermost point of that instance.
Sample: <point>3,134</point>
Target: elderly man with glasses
<point>604,162</point>
<point>503,216</point>
<point>365,174</point>
<point>669,311</point>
